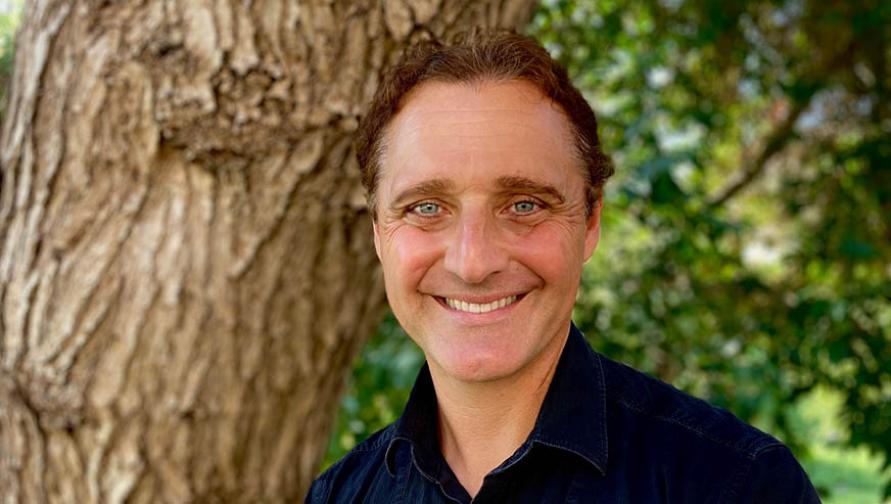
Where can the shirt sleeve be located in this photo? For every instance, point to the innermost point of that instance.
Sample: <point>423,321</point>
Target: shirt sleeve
<point>775,476</point>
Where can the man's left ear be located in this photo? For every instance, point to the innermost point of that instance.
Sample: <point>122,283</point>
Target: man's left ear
<point>592,231</point>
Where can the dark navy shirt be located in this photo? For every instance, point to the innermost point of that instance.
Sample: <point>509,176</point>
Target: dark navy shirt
<point>605,433</point>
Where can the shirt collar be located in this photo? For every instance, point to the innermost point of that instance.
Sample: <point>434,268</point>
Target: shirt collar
<point>572,416</point>
<point>418,427</point>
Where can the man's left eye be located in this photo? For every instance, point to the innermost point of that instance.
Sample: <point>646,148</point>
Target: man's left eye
<point>525,207</point>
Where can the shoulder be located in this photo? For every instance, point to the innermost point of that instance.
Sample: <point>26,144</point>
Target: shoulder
<point>772,476</point>
<point>360,464</point>
<point>654,402</point>
<point>753,466</point>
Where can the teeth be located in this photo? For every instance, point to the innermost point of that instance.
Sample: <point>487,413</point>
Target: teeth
<point>457,304</point>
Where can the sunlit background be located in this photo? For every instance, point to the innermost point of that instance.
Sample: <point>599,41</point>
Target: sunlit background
<point>746,250</point>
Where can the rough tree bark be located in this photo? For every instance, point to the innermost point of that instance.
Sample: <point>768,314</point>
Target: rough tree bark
<point>186,269</point>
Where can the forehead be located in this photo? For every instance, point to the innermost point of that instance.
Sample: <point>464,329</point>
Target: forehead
<point>496,128</point>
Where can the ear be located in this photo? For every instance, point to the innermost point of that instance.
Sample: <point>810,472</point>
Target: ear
<point>377,237</point>
<point>592,229</point>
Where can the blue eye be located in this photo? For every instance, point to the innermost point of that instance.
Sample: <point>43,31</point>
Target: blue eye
<point>524,207</point>
<point>426,208</point>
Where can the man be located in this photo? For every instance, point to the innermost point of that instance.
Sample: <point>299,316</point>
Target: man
<point>484,174</point>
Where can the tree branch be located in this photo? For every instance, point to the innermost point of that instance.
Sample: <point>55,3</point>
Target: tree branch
<point>775,142</point>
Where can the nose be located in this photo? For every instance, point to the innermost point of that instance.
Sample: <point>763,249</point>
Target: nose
<point>475,251</point>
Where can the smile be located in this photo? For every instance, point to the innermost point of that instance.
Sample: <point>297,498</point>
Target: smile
<point>464,306</point>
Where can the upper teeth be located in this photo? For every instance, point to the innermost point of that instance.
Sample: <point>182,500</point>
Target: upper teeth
<point>464,306</point>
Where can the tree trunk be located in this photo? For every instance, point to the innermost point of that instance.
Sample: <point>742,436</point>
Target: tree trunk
<point>186,265</point>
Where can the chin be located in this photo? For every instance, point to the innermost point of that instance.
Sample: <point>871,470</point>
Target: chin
<point>474,366</point>
<point>469,374</point>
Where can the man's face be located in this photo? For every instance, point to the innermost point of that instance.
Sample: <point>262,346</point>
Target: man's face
<point>481,226</point>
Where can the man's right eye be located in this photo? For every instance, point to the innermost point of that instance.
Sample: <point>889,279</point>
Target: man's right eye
<point>426,209</point>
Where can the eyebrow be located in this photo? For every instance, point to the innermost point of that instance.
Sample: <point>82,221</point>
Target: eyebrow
<point>425,188</point>
<point>505,184</point>
<point>523,184</point>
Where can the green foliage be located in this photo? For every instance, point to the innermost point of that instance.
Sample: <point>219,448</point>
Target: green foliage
<point>853,476</point>
<point>8,23</point>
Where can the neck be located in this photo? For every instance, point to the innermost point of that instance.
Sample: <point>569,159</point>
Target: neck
<point>481,424</point>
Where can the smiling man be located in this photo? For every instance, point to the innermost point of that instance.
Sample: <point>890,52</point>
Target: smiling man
<point>484,174</point>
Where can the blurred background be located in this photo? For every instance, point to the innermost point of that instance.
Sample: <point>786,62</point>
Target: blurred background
<point>746,249</point>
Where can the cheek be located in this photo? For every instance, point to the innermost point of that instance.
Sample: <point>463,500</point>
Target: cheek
<point>410,252</point>
<point>553,251</point>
